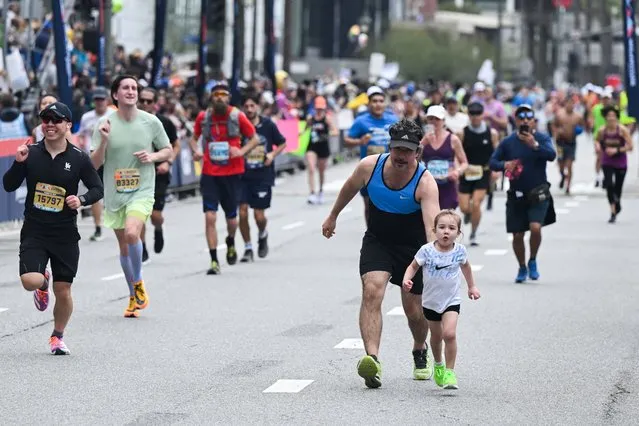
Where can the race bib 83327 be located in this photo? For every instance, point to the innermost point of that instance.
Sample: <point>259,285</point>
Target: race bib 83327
<point>127,180</point>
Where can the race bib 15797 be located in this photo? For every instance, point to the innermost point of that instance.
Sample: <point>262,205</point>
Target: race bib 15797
<point>49,198</point>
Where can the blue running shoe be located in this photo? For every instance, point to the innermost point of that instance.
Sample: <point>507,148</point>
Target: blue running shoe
<point>533,273</point>
<point>521,275</point>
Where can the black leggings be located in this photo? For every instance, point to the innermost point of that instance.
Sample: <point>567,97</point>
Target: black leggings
<point>613,180</point>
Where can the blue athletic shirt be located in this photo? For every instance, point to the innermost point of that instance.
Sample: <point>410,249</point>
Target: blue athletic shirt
<point>269,135</point>
<point>395,216</point>
<point>377,127</point>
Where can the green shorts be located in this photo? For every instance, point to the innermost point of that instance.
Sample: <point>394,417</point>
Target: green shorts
<point>136,208</point>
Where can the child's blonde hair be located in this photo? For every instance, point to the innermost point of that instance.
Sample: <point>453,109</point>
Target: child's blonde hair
<point>448,212</point>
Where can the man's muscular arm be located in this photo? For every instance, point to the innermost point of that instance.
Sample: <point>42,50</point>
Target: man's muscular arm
<point>428,197</point>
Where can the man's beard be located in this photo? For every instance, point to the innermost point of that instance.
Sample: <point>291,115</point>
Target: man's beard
<point>219,108</point>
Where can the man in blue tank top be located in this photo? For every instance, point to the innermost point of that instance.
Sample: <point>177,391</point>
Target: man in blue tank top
<point>403,202</point>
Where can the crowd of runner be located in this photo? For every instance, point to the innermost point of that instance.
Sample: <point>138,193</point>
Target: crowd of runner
<point>423,154</point>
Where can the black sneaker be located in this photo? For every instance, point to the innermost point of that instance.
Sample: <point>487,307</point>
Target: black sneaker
<point>262,247</point>
<point>613,218</point>
<point>248,256</point>
<point>422,370</point>
<point>466,218</point>
<point>214,269</point>
<point>231,252</point>
<point>145,254</point>
<point>158,243</point>
<point>97,236</point>
<point>489,202</point>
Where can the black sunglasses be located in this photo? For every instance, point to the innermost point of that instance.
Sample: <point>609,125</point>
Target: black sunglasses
<point>54,120</point>
<point>526,114</point>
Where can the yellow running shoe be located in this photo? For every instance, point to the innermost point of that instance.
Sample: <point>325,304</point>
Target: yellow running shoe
<point>141,298</point>
<point>440,372</point>
<point>131,310</point>
<point>371,371</point>
<point>450,380</point>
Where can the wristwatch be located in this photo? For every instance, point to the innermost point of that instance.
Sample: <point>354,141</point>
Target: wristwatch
<point>83,201</point>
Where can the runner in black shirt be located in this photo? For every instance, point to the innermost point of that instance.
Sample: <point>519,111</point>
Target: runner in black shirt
<point>147,102</point>
<point>53,169</point>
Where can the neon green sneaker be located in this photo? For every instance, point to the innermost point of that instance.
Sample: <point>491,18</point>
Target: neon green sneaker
<point>440,372</point>
<point>371,371</point>
<point>450,380</point>
<point>423,366</point>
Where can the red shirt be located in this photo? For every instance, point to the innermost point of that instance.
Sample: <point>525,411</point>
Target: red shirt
<point>218,146</point>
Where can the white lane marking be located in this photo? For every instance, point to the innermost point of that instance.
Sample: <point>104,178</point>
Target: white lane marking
<point>3,309</point>
<point>347,210</point>
<point>476,268</point>
<point>397,310</point>
<point>287,386</point>
<point>581,198</point>
<point>562,211</point>
<point>293,225</point>
<point>495,252</point>
<point>350,344</point>
<point>334,186</point>
<point>220,247</point>
<point>279,181</point>
<point>572,203</point>
<point>113,277</point>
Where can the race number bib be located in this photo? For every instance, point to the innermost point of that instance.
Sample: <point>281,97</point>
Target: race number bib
<point>439,169</point>
<point>314,137</point>
<point>375,149</point>
<point>219,152</point>
<point>49,198</point>
<point>256,157</point>
<point>474,172</point>
<point>127,180</point>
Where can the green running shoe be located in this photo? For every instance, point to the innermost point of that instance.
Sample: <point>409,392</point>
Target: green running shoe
<point>450,380</point>
<point>440,372</point>
<point>214,269</point>
<point>371,371</point>
<point>423,367</point>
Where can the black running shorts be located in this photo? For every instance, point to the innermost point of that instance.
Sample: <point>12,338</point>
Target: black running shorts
<point>395,259</point>
<point>36,252</point>
<point>470,186</point>
<point>435,316</point>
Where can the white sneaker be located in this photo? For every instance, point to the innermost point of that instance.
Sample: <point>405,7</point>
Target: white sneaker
<point>312,199</point>
<point>320,198</point>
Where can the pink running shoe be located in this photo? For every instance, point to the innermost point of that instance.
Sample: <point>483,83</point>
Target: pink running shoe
<point>41,297</point>
<point>58,347</point>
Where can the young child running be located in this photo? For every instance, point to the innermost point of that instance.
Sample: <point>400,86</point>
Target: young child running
<point>442,260</point>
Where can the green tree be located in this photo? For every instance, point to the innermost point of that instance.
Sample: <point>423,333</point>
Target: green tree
<point>424,54</point>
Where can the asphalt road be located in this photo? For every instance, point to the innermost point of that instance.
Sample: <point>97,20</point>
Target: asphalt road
<point>215,349</point>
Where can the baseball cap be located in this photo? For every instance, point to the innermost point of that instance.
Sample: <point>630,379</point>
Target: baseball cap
<point>479,87</point>
<point>475,108</point>
<point>436,111</point>
<point>523,107</point>
<point>220,87</point>
<point>451,100</point>
<point>404,140</point>
<point>100,93</point>
<point>57,109</point>
<point>374,90</point>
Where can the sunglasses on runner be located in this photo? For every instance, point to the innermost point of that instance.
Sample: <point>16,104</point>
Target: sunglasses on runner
<point>526,114</point>
<point>55,120</point>
<point>220,93</point>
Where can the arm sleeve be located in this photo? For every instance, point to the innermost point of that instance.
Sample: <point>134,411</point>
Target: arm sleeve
<point>421,256</point>
<point>497,159</point>
<point>91,180</point>
<point>546,150</point>
<point>14,177</point>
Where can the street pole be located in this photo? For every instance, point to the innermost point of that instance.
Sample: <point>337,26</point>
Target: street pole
<point>253,65</point>
<point>498,53</point>
<point>288,23</point>
<point>108,39</point>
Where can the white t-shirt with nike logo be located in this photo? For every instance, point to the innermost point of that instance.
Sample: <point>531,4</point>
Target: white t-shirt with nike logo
<point>442,275</point>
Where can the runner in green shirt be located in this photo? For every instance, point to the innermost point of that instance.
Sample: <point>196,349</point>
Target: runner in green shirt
<point>124,143</point>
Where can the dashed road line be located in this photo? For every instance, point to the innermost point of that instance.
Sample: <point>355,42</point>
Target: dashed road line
<point>581,198</point>
<point>293,225</point>
<point>3,310</point>
<point>350,344</point>
<point>476,268</point>
<point>495,252</point>
<point>287,386</point>
<point>219,247</point>
<point>347,210</point>
<point>562,211</point>
<point>397,311</point>
<point>572,203</point>
<point>113,277</point>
